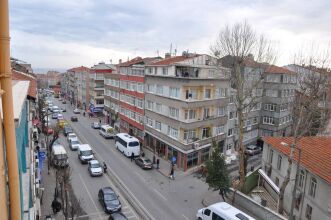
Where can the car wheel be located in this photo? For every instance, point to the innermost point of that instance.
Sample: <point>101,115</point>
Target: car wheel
<point>199,218</point>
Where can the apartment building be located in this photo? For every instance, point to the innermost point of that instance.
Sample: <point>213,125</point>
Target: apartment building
<point>186,100</point>
<point>132,75</point>
<point>312,197</point>
<point>112,97</point>
<point>97,88</point>
<point>279,87</point>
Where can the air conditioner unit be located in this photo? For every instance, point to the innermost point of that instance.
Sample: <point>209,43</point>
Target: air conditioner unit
<point>196,145</point>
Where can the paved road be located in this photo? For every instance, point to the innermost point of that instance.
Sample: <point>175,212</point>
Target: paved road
<point>160,197</point>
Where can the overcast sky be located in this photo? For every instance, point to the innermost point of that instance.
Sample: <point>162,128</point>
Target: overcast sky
<point>68,33</point>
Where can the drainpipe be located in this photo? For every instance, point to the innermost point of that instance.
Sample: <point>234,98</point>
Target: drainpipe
<point>8,115</point>
<point>3,191</point>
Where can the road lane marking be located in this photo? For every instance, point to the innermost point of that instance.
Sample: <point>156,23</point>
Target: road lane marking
<point>157,192</point>
<point>185,217</point>
<point>89,194</point>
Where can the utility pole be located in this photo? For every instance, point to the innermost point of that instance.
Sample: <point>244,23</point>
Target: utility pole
<point>8,115</point>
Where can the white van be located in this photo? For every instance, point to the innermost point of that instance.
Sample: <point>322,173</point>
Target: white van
<point>127,144</point>
<point>222,210</point>
<point>55,109</point>
<point>85,153</point>
<point>107,131</point>
<point>59,156</point>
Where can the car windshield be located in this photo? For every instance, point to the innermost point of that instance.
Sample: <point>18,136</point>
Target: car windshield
<point>110,196</point>
<point>86,152</point>
<point>95,165</point>
<point>147,161</point>
<point>61,157</point>
<point>74,142</point>
<point>134,144</point>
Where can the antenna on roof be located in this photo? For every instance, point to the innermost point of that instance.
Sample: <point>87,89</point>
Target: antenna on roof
<point>158,53</point>
<point>170,48</point>
<point>175,50</point>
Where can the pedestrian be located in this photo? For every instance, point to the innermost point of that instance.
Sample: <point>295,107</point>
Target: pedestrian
<point>38,148</point>
<point>132,156</point>
<point>56,206</point>
<point>158,164</point>
<point>100,121</point>
<point>171,176</point>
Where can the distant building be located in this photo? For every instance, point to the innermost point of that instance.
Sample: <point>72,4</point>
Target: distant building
<point>312,200</point>
<point>186,101</point>
<point>97,87</point>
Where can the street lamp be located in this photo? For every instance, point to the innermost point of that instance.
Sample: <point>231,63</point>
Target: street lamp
<point>293,146</point>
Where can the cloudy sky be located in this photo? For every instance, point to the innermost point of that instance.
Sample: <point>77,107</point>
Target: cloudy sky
<point>68,33</point>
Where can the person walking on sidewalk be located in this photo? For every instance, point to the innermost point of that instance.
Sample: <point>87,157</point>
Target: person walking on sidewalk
<point>171,176</point>
<point>132,156</point>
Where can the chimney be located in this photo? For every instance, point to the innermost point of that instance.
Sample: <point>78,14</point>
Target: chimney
<point>120,61</point>
<point>167,55</point>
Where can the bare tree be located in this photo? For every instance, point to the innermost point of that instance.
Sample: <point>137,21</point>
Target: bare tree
<point>309,112</point>
<point>248,54</point>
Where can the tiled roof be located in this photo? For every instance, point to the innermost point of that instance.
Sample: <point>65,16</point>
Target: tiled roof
<point>171,60</point>
<point>79,69</point>
<point>315,156</point>
<point>277,69</point>
<point>20,76</point>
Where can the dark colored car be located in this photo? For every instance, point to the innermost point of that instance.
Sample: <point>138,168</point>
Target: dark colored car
<point>64,102</point>
<point>67,130</point>
<point>74,118</point>
<point>109,200</point>
<point>63,110</point>
<point>96,125</point>
<point>117,216</point>
<point>144,163</point>
<point>252,150</point>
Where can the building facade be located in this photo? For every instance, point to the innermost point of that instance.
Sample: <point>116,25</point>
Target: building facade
<point>132,77</point>
<point>312,199</point>
<point>96,86</point>
<point>112,97</point>
<point>186,101</point>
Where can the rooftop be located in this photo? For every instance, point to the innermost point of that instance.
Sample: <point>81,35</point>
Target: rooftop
<point>139,60</point>
<point>20,76</point>
<point>315,153</point>
<point>172,60</point>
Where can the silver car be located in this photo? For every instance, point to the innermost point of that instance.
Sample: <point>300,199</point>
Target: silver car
<point>252,150</point>
<point>74,143</point>
<point>94,168</point>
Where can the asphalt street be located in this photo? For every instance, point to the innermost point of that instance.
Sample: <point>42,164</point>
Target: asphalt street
<point>159,196</point>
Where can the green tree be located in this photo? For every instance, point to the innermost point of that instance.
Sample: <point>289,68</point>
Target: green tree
<point>217,173</point>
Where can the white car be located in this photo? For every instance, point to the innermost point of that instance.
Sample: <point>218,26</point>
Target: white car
<point>94,168</point>
<point>74,143</point>
<point>60,116</point>
<point>76,111</point>
<point>71,136</point>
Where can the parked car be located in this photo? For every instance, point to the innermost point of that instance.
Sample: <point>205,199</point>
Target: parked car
<point>85,153</point>
<point>60,117</point>
<point>144,163</point>
<point>71,135</point>
<point>64,102</point>
<point>63,110</point>
<point>74,118</point>
<point>76,111</point>
<point>95,125</point>
<point>62,123</point>
<point>252,150</point>
<point>74,143</point>
<point>54,116</point>
<point>67,130</point>
<point>107,131</point>
<point>94,168</point>
<point>109,200</point>
<point>117,216</point>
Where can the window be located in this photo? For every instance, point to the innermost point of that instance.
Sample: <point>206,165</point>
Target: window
<point>173,132</point>
<point>271,93</point>
<point>270,107</point>
<point>207,93</point>
<point>158,107</point>
<point>277,181</point>
<point>301,178</point>
<point>190,114</point>
<point>173,112</point>
<point>231,115</point>
<point>219,130</point>
<point>150,88</point>
<point>150,105</point>
<point>284,107</point>
<point>158,125</point>
<point>230,132</point>
<point>279,162</point>
<point>192,159</point>
<point>206,113</point>
<point>204,154</point>
<point>205,132</point>
<point>312,188</point>
<point>174,92</point>
<point>309,211</point>
<point>194,94</point>
<point>268,120</point>
<point>165,71</point>
<point>211,73</point>
<point>189,135</point>
<point>229,146</point>
<point>271,154</point>
<point>159,89</point>
<point>206,212</point>
<point>221,111</point>
<point>149,121</point>
<point>214,216</point>
<point>140,87</point>
<point>220,92</point>
<point>140,103</point>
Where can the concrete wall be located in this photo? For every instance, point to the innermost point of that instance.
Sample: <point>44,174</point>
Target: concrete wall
<point>260,211</point>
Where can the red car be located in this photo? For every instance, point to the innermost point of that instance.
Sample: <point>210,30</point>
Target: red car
<point>48,130</point>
